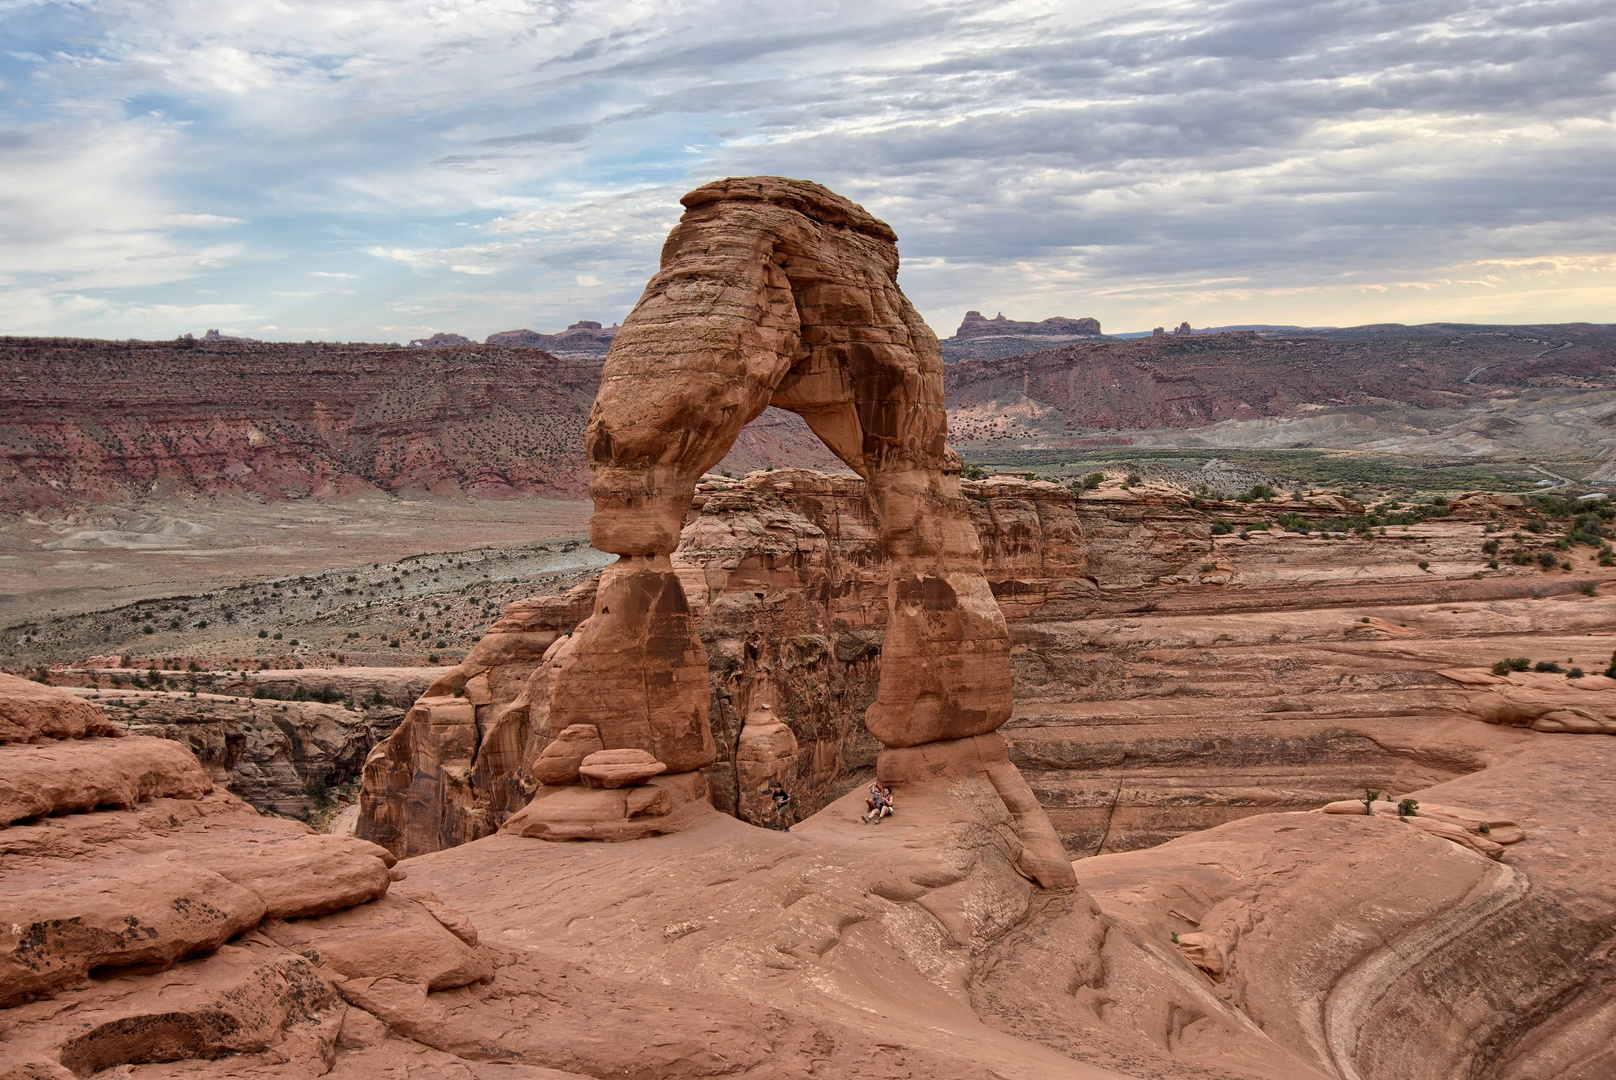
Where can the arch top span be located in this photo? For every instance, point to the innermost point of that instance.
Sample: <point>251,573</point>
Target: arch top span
<point>770,291</point>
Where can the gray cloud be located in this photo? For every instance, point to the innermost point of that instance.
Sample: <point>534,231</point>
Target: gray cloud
<point>1329,150</point>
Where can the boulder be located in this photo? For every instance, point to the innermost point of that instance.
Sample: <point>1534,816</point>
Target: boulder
<point>80,775</point>
<point>665,804</point>
<point>619,768</point>
<point>244,999</point>
<point>299,876</point>
<point>113,913</point>
<point>30,712</point>
<point>558,764</point>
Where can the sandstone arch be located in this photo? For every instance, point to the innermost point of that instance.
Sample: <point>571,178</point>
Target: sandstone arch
<point>775,291</point>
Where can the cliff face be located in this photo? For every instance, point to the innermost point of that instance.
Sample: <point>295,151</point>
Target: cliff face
<point>95,421</point>
<point>105,421</point>
<point>785,576</point>
<point>1183,382</point>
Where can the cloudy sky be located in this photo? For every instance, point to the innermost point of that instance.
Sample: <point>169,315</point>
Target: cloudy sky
<point>383,169</point>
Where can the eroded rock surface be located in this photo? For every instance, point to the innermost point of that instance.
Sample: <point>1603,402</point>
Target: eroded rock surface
<point>785,578</point>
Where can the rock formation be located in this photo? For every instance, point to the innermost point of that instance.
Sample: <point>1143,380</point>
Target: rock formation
<point>780,292</point>
<point>583,339</point>
<point>785,578</point>
<point>441,341</point>
<point>980,338</point>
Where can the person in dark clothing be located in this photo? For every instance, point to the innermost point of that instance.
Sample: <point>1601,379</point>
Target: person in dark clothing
<point>781,798</point>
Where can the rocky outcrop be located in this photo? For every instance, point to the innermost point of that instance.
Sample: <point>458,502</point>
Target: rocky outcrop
<point>584,339</point>
<point>121,854</point>
<point>786,582</point>
<point>1541,701</point>
<point>441,341</point>
<point>30,712</point>
<point>978,337</point>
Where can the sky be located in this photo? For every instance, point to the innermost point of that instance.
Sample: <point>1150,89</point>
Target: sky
<point>380,170</point>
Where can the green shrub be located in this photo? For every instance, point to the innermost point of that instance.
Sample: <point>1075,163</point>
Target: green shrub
<point>971,472</point>
<point>1220,527</point>
<point>1490,547</point>
<point>1547,667</point>
<point>1502,668</point>
<point>1588,589</point>
<point>1546,560</point>
<point>1424,565</point>
<point>1575,673</point>
<point>1093,480</point>
<point>1408,808</point>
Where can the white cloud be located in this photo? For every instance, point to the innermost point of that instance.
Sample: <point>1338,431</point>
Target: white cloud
<point>1253,161</point>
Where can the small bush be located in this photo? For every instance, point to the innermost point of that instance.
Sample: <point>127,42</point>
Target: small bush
<point>1547,667</point>
<point>971,472</point>
<point>1424,565</point>
<point>1490,547</point>
<point>1502,668</point>
<point>1220,527</point>
<point>1576,673</point>
<point>1093,480</point>
<point>1589,589</point>
<point>1546,560</point>
<point>1408,808</point>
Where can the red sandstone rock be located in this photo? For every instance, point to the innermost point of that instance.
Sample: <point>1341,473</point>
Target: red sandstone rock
<point>558,764</point>
<point>78,775</point>
<point>765,753</point>
<point>619,768</point>
<point>113,914</point>
<point>775,291</point>
<point>30,712</point>
<point>395,937</point>
<point>637,671</point>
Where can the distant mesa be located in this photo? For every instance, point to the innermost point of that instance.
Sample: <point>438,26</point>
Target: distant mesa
<point>975,326</point>
<point>441,341</point>
<point>980,338</point>
<point>214,335</point>
<point>1183,330</point>
<point>583,340</point>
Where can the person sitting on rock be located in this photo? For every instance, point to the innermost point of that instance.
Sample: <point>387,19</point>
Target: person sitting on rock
<point>878,804</point>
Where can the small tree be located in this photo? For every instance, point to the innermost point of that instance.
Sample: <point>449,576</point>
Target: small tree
<point>1407,809</point>
<point>1369,798</point>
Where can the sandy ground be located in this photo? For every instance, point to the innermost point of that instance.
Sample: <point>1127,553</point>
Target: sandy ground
<point>105,556</point>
